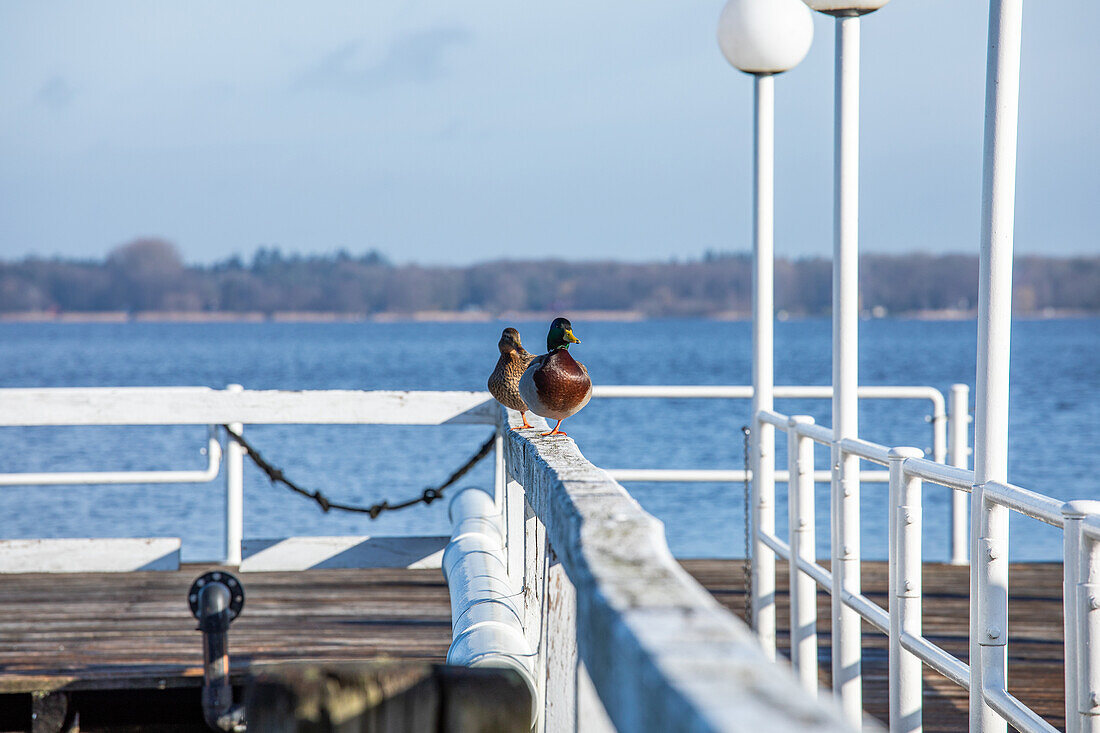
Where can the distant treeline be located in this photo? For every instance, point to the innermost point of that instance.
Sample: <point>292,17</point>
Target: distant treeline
<point>149,275</point>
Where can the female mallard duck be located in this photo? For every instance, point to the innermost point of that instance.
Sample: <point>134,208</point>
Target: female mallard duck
<point>504,381</point>
<point>555,385</point>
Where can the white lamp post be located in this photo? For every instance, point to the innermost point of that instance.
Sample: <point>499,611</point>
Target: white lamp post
<point>989,525</point>
<point>763,38</point>
<point>847,675</point>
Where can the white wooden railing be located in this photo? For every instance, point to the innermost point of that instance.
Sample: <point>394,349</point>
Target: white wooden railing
<point>624,638</point>
<point>901,621</point>
<point>205,406</point>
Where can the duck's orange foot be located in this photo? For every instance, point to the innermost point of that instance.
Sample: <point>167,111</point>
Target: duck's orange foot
<point>526,425</point>
<point>555,431</point>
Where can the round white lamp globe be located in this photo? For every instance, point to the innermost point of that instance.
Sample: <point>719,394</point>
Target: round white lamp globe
<point>846,7</point>
<point>765,36</point>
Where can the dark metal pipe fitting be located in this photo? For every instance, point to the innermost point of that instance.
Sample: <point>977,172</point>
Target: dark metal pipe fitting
<point>215,599</point>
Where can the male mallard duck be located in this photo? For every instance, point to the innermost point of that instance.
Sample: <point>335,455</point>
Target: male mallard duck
<point>504,381</point>
<point>555,385</point>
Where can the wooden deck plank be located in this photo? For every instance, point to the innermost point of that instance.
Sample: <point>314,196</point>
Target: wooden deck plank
<point>100,631</point>
<point>1035,648</point>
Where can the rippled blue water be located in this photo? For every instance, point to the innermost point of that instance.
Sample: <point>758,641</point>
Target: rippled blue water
<point>1054,436</point>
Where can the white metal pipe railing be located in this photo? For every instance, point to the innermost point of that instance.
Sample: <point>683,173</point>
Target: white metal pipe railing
<point>958,426</point>
<point>959,479</point>
<point>1084,607</point>
<point>234,491</point>
<point>213,451</point>
<point>1015,712</point>
<point>706,476</point>
<point>938,418</point>
<point>904,591</point>
<point>1025,502</point>
<point>1072,514</point>
<point>902,622</point>
<point>937,658</point>
<point>487,628</point>
<point>802,530</point>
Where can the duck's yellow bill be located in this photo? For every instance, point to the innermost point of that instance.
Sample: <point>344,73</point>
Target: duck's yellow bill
<point>570,338</point>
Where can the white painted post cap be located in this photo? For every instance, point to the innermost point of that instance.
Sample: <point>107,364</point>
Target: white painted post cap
<point>846,7</point>
<point>765,36</point>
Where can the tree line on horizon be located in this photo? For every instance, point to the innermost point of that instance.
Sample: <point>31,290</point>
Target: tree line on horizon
<point>150,275</point>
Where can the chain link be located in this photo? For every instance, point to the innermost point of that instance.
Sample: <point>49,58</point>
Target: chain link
<point>275,475</point>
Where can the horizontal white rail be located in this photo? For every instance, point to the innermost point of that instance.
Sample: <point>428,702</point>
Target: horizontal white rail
<point>950,476</point>
<point>744,392</point>
<point>1026,502</point>
<point>71,478</point>
<point>706,476</point>
<point>205,406</point>
<point>1018,715</point>
<point>866,450</point>
<point>942,661</point>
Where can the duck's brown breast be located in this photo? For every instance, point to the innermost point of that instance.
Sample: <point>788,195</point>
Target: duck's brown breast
<point>562,383</point>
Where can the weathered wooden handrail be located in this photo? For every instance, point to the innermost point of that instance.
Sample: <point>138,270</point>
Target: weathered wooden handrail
<point>615,614</point>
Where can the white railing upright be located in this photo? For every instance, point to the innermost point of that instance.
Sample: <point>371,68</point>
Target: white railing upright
<point>901,621</point>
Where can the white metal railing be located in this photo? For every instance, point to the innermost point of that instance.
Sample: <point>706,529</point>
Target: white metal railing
<point>950,437</point>
<point>234,406</point>
<point>901,621</point>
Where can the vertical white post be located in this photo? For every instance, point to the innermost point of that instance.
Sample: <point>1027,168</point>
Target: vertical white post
<point>989,522</point>
<point>800,504</point>
<point>1088,632</point>
<point>905,592</point>
<point>847,677</point>
<point>958,427</point>
<point>499,497</point>
<point>763,435</point>
<point>1076,556</point>
<point>234,491</point>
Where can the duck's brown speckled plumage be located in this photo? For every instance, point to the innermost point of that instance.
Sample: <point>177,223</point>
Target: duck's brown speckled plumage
<point>513,361</point>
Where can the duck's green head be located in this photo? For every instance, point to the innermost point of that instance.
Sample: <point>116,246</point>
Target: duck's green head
<point>561,335</point>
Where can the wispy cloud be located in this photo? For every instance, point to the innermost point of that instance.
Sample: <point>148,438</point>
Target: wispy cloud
<point>416,58</point>
<point>56,93</point>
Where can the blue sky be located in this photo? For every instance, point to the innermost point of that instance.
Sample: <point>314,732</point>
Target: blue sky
<point>460,132</point>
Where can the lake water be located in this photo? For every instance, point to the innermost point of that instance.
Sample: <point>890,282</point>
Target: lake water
<point>1055,433</point>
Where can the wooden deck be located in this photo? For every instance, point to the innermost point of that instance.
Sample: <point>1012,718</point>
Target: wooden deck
<point>1035,648</point>
<point>134,631</point>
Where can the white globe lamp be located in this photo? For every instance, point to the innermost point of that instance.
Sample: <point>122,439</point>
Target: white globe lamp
<point>765,36</point>
<point>846,7</point>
